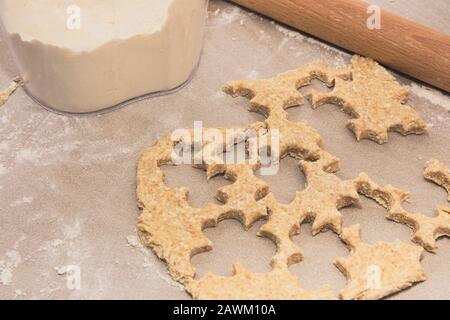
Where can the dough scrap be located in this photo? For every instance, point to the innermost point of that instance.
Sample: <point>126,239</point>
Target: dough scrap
<point>320,202</point>
<point>171,227</point>
<point>277,284</point>
<point>375,101</point>
<point>375,271</point>
<point>426,229</point>
<point>273,96</point>
<point>5,94</point>
<point>437,172</point>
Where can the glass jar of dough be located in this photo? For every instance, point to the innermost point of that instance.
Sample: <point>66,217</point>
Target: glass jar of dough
<point>82,56</point>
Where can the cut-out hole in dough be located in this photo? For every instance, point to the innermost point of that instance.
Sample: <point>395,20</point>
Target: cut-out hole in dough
<point>372,218</point>
<point>318,85</point>
<point>287,182</point>
<point>317,268</point>
<point>232,244</point>
<point>201,191</point>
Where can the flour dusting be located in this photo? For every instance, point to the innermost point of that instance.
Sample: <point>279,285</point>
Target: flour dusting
<point>169,281</point>
<point>72,231</point>
<point>252,75</point>
<point>432,95</point>
<point>133,241</point>
<point>18,293</point>
<point>12,261</point>
<point>24,200</point>
<point>227,16</point>
<point>288,33</point>
<point>340,58</point>
<point>49,245</point>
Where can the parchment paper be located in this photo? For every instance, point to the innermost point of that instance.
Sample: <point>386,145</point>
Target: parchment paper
<point>67,184</point>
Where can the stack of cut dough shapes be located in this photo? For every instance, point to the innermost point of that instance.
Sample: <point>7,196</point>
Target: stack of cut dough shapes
<point>375,101</point>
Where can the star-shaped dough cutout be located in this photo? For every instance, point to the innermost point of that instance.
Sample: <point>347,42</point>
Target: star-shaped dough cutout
<point>375,271</point>
<point>375,101</point>
<point>320,202</point>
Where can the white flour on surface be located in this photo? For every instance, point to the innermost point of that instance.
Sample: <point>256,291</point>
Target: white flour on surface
<point>18,293</point>
<point>13,259</point>
<point>133,241</point>
<point>339,57</point>
<point>432,95</point>
<point>24,200</point>
<point>226,16</point>
<point>72,231</point>
<point>288,33</point>
<point>236,14</point>
<point>50,245</point>
<point>166,278</point>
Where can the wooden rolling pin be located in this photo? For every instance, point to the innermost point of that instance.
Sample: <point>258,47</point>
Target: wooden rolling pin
<point>400,44</point>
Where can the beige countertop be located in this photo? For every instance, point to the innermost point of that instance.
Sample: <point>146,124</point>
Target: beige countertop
<point>67,184</point>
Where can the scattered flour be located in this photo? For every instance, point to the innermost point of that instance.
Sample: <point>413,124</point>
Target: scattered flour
<point>338,55</point>
<point>282,44</point>
<point>169,281</point>
<point>325,46</point>
<point>41,155</point>
<point>219,94</point>
<point>72,231</point>
<point>19,293</point>
<point>27,155</point>
<point>287,32</point>
<point>226,16</point>
<point>133,241</point>
<point>6,276</point>
<point>48,245</point>
<point>12,261</point>
<point>87,152</point>
<point>216,13</point>
<point>253,75</point>
<point>432,95</point>
<point>19,202</point>
<point>4,120</point>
